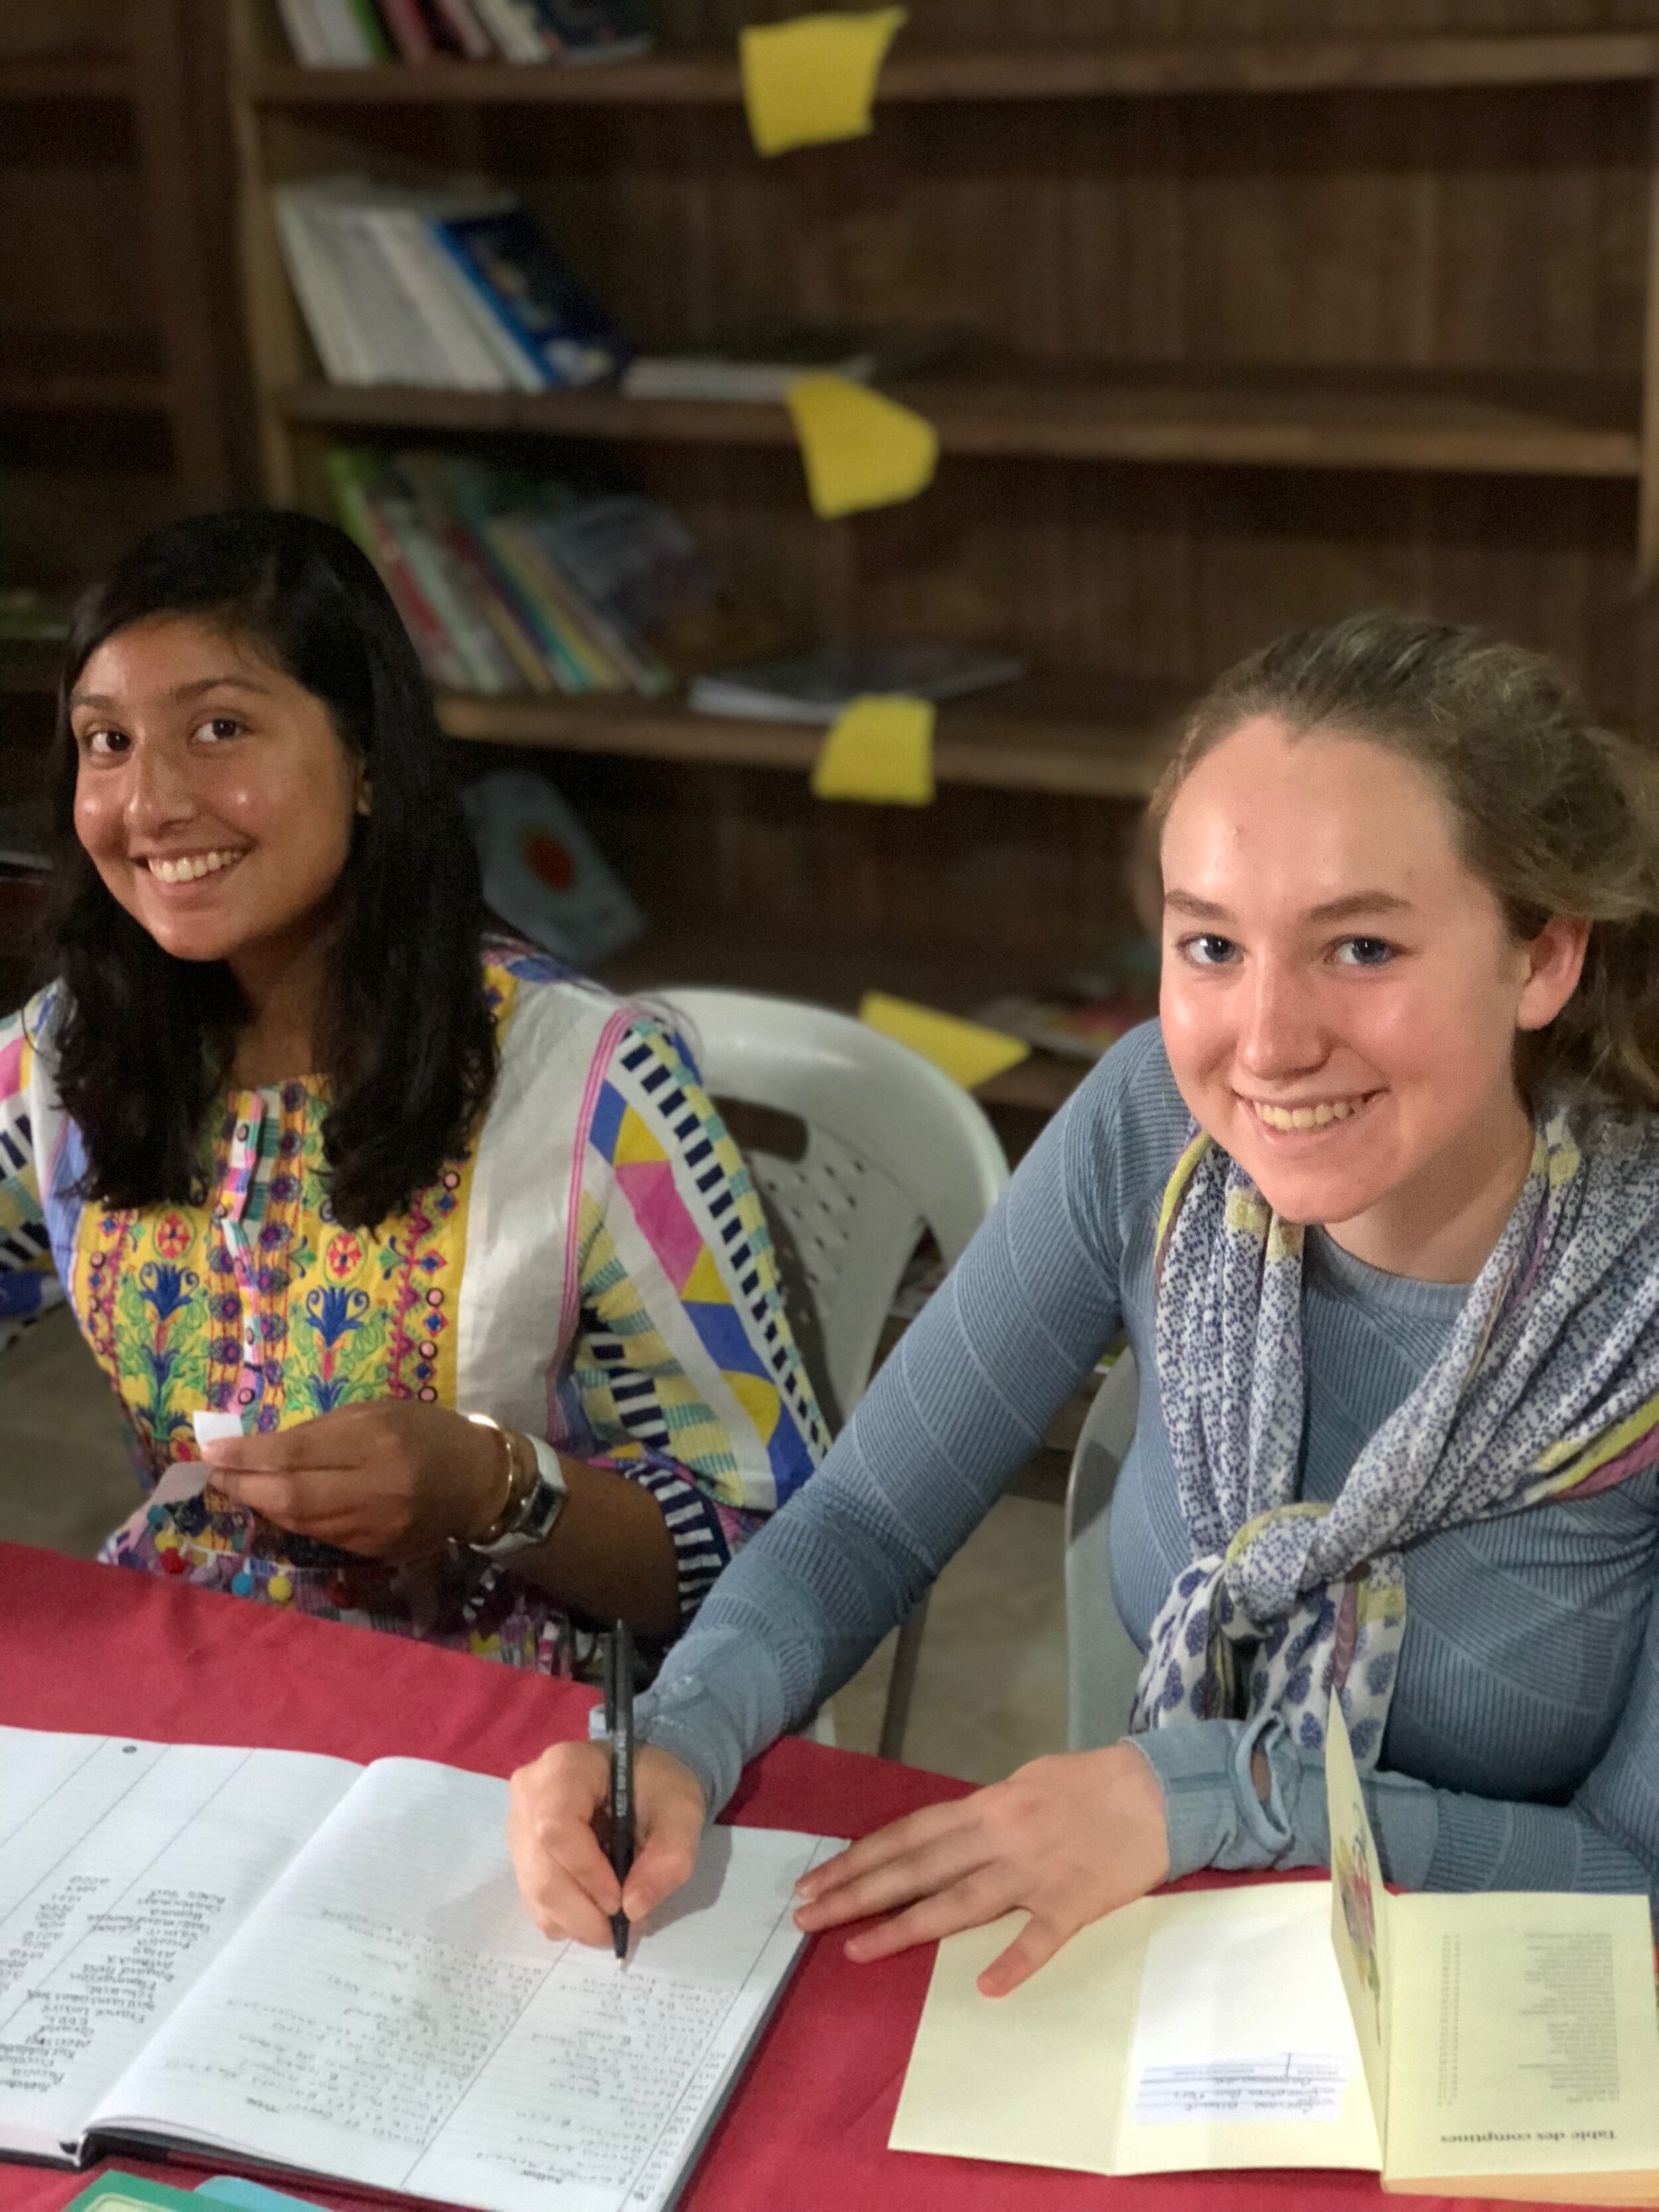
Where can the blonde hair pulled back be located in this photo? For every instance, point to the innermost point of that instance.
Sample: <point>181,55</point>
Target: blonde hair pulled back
<point>1555,812</point>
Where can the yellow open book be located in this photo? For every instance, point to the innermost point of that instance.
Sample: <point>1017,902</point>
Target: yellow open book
<point>1492,2046</point>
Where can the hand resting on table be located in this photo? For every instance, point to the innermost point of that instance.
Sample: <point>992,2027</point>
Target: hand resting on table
<point>1068,1838</point>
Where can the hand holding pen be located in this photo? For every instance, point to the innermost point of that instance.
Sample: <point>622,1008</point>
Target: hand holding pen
<point>619,1731</point>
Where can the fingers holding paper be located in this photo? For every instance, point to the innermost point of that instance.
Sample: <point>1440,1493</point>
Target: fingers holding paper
<point>556,1808</point>
<point>1067,1839</point>
<point>389,1480</point>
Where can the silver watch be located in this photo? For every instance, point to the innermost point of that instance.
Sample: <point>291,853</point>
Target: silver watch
<point>542,1509</point>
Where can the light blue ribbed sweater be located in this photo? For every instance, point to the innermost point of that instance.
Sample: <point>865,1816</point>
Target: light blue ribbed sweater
<point>1522,1743</point>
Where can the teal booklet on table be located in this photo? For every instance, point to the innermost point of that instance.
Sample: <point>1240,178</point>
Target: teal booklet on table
<point>324,1968</point>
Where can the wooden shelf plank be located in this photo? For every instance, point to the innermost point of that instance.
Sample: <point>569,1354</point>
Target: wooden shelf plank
<point>1017,740</point>
<point>80,372</point>
<point>708,77</point>
<point>1468,424</point>
<point>66,77</point>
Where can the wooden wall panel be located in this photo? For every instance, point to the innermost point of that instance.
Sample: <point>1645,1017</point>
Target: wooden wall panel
<point>73,258</point>
<point>963,898</point>
<point>75,493</point>
<point>1008,22</point>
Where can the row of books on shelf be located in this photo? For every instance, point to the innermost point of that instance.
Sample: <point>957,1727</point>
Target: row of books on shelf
<point>508,583</point>
<point>462,290</point>
<point>361,33</point>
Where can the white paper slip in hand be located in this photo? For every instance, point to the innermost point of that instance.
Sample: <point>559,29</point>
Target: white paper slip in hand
<point>215,1428</point>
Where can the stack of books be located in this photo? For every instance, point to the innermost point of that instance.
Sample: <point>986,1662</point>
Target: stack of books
<point>358,33</point>
<point>817,686</point>
<point>460,290</point>
<point>765,368</point>
<point>508,583</point>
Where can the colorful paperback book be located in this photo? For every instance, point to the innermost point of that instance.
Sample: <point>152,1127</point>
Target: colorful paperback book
<point>293,1961</point>
<point>603,615</point>
<point>544,873</point>
<point>1487,2046</point>
<point>482,498</point>
<point>585,666</point>
<point>539,300</point>
<point>352,477</point>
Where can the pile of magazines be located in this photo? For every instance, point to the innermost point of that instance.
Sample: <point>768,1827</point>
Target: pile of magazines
<point>512,583</point>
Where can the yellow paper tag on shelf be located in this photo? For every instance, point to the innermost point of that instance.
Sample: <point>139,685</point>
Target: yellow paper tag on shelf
<point>969,1054</point>
<point>811,82</point>
<point>880,750</point>
<point>858,448</point>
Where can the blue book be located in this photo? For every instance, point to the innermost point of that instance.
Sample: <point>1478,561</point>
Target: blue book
<point>596,30</point>
<point>536,296</point>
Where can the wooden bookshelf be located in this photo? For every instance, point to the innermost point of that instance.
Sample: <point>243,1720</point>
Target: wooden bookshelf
<point>66,77</point>
<point>1019,737</point>
<point>1257,329</point>
<point>1071,70</point>
<point>73,373</point>
<point>109,307</point>
<point>1540,425</point>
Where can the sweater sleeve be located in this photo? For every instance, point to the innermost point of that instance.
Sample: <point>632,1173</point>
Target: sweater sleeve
<point>961,1403</point>
<point>1606,1837</point>
<point>27,1281</point>
<point>691,1381</point>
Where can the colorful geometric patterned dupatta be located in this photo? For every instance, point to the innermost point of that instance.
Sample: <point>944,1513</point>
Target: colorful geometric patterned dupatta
<point>1549,1384</point>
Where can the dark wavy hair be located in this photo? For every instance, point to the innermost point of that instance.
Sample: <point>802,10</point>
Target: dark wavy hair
<point>404,1037</point>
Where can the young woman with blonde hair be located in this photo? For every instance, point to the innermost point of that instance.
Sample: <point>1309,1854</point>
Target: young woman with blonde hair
<point>1377,1203</point>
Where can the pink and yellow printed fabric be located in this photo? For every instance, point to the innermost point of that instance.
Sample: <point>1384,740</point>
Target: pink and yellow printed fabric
<point>596,1269</point>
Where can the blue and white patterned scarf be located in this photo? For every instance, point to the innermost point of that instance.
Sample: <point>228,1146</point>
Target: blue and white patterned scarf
<point>1549,1383</point>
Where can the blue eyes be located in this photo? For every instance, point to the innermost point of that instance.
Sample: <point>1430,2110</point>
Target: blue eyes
<point>1208,951</point>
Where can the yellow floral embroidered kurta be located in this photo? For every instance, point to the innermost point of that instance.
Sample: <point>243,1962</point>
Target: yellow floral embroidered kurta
<point>596,1269</point>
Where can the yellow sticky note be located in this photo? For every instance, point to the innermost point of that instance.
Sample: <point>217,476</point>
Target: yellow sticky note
<point>811,82</point>
<point>967,1052</point>
<point>858,448</point>
<point>879,750</point>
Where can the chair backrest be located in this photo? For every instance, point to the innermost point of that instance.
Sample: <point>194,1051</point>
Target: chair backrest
<point>1103,1445</point>
<point>891,1146</point>
<point>1103,1664</point>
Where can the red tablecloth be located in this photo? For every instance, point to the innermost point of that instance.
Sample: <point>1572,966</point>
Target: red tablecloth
<point>111,1652</point>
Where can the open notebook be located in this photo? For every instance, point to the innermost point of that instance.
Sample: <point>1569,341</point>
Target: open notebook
<point>1493,2045</point>
<point>305,1963</point>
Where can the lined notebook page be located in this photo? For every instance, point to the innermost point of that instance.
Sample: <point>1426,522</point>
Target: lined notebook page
<point>124,1866</point>
<point>392,2016</point>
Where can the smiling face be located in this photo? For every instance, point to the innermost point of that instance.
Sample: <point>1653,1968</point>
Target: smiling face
<point>1340,994</point>
<point>212,792</point>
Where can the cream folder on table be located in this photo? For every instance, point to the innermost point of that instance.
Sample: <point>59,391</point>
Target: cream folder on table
<point>1491,2046</point>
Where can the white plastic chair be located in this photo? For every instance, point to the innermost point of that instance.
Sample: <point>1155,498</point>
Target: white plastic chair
<point>1102,1660</point>
<point>891,1146</point>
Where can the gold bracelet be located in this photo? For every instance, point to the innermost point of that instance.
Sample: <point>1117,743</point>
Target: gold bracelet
<point>499,1521</point>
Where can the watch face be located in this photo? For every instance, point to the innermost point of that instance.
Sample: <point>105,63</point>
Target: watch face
<point>535,1525</point>
<point>546,1503</point>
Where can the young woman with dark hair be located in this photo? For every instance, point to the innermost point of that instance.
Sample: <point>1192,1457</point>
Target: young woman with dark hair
<point>305,1147</point>
<point>1376,1201</point>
